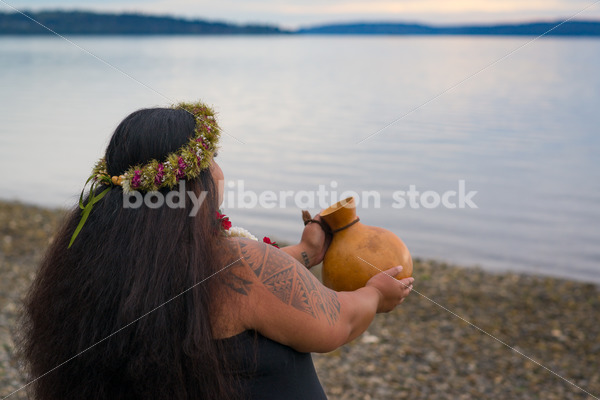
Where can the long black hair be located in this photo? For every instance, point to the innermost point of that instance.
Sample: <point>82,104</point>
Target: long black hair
<point>104,305</point>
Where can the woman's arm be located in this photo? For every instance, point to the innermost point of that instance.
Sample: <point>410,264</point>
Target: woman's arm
<point>304,255</point>
<point>286,303</point>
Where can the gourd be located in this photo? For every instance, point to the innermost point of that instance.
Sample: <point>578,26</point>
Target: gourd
<point>357,251</point>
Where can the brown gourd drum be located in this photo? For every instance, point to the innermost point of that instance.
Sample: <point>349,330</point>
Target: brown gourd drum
<point>357,251</point>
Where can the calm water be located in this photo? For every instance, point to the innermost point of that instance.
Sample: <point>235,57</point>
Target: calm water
<point>523,133</point>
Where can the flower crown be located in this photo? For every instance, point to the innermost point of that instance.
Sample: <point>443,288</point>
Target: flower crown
<point>187,162</point>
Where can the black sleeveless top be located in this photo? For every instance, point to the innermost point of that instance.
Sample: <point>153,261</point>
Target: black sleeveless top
<point>268,370</point>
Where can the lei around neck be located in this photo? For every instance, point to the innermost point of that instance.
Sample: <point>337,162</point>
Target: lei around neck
<point>187,162</point>
<point>236,231</point>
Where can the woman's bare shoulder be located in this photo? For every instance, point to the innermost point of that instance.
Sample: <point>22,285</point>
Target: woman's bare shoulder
<point>264,260</point>
<point>252,263</point>
<point>265,270</point>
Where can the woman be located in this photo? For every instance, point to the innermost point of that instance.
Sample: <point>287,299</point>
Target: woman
<point>154,301</point>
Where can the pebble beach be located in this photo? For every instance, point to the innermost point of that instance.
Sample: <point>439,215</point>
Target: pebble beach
<point>462,334</point>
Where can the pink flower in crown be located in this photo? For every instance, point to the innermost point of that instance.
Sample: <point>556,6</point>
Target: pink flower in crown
<point>208,127</point>
<point>137,179</point>
<point>181,168</point>
<point>159,175</point>
<point>204,144</point>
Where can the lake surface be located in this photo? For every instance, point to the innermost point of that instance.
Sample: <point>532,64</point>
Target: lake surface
<point>522,132</point>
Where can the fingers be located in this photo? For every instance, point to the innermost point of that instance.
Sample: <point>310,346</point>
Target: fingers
<point>394,271</point>
<point>407,283</point>
<point>393,291</point>
<point>406,286</point>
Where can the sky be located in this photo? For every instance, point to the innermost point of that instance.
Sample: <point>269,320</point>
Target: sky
<point>293,14</point>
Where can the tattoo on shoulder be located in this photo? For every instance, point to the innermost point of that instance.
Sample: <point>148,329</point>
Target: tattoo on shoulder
<point>287,280</point>
<point>238,284</point>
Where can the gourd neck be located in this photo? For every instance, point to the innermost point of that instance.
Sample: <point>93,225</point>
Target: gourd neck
<point>341,215</point>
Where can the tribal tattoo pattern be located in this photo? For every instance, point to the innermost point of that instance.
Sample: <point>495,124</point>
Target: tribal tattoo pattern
<point>287,280</point>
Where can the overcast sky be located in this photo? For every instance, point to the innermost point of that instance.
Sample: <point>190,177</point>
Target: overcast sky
<point>308,12</point>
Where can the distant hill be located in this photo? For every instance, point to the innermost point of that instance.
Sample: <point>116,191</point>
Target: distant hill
<point>90,23</point>
<point>571,28</point>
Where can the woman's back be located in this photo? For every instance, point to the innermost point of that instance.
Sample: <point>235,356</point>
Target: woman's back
<point>267,370</point>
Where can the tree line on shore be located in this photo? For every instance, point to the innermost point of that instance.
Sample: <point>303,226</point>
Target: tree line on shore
<point>92,23</point>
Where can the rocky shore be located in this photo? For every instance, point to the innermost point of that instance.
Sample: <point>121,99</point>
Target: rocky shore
<point>462,334</point>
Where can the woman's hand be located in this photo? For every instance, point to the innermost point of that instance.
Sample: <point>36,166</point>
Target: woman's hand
<point>313,244</point>
<point>315,241</point>
<point>391,291</point>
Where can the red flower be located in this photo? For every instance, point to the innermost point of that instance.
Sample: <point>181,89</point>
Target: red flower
<point>225,222</point>
<point>268,241</point>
